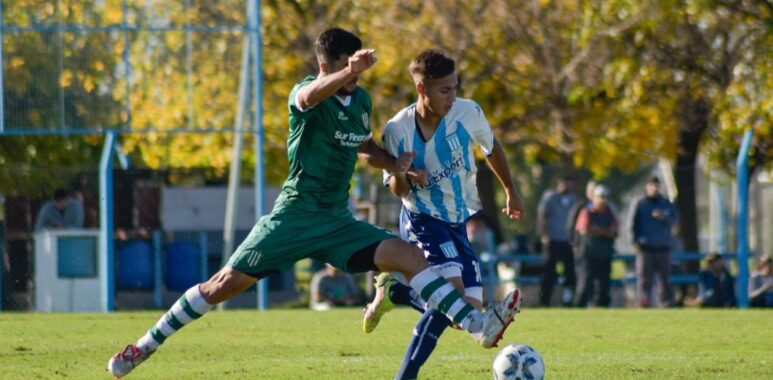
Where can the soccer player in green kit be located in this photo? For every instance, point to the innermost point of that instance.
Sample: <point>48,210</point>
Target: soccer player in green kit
<point>329,128</point>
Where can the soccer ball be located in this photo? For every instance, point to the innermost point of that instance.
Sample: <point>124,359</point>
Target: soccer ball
<point>519,362</point>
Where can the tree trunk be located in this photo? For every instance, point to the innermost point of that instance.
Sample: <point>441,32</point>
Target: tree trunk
<point>694,121</point>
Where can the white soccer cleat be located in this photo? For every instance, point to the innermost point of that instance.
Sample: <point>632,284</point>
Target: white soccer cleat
<point>125,361</point>
<point>497,318</point>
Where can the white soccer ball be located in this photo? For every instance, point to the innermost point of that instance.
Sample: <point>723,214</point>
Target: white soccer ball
<point>519,361</point>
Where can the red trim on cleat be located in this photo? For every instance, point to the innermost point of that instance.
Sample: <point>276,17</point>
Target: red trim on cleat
<point>516,298</point>
<point>502,333</point>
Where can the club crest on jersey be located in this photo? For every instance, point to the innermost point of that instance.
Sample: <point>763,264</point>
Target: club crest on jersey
<point>453,142</point>
<point>449,249</point>
<point>365,120</point>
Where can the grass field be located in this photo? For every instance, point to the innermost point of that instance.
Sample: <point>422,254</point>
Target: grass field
<point>301,344</point>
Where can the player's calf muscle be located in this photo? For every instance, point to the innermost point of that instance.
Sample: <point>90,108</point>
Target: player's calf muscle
<point>224,285</point>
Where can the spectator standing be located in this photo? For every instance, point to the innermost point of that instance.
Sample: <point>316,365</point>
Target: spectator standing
<point>482,241</point>
<point>581,204</point>
<point>481,236</point>
<point>574,236</point>
<point>761,283</point>
<point>652,220</point>
<point>331,287</point>
<point>62,211</point>
<point>552,218</point>
<point>597,228</point>
<point>715,284</point>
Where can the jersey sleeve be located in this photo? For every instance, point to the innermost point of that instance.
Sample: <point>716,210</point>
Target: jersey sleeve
<point>390,142</point>
<point>368,105</point>
<point>391,139</point>
<point>479,128</point>
<point>292,101</point>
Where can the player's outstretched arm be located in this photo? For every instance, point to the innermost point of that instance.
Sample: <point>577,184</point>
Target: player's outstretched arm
<point>374,155</point>
<point>403,174</point>
<point>497,161</point>
<point>326,85</point>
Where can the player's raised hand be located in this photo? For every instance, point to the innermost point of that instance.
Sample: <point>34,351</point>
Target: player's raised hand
<point>362,60</point>
<point>404,162</point>
<point>514,209</point>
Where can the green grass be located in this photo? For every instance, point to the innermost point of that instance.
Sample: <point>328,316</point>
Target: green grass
<point>301,344</point>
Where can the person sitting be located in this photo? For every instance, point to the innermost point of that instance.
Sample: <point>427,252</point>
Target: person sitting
<point>331,287</point>
<point>62,211</point>
<point>761,283</point>
<point>715,284</point>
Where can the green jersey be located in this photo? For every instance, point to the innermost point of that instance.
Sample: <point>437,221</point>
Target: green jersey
<point>322,148</point>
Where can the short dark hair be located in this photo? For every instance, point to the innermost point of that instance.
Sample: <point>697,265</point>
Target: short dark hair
<point>431,64</point>
<point>60,194</point>
<point>654,179</point>
<point>334,42</point>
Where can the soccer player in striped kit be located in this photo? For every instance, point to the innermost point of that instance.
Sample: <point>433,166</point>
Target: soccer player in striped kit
<point>329,129</point>
<point>440,130</point>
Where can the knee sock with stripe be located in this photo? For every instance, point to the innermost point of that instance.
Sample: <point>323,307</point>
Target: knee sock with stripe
<point>188,308</point>
<point>441,295</point>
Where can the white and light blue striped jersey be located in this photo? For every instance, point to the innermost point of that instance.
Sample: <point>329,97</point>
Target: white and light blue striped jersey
<point>451,195</point>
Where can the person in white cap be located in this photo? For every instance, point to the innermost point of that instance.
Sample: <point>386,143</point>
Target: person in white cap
<point>597,226</point>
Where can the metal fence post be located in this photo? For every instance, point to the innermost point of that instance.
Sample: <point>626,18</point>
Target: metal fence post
<point>2,83</point>
<point>742,182</point>
<point>157,269</point>
<point>203,255</point>
<point>257,98</point>
<point>106,246</point>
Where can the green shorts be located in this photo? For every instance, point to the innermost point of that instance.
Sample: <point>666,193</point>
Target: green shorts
<point>289,234</point>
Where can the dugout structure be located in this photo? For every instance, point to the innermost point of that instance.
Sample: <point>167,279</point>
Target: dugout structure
<point>114,67</point>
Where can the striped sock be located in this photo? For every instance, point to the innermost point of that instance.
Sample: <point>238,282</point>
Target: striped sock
<point>441,295</point>
<point>189,307</point>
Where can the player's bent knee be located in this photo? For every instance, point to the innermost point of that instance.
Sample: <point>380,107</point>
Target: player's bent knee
<point>400,256</point>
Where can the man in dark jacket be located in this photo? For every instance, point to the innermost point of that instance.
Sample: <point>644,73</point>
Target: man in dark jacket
<point>652,220</point>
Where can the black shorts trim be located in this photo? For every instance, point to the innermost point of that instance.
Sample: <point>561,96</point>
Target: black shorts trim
<point>363,260</point>
<point>262,274</point>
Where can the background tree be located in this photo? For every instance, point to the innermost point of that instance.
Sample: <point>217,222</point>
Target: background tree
<point>603,87</point>
<point>53,81</point>
<point>697,46</point>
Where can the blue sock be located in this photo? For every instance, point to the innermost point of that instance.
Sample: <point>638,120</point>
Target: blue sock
<point>425,337</point>
<point>405,295</point>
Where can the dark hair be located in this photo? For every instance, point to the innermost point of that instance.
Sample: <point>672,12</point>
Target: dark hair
<point>60,194</point>
<point>654,179</point>
<point>431,64</point>
<point>334,42</point>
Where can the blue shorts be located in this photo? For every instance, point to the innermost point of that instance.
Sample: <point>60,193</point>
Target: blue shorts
<point>446,247</point>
